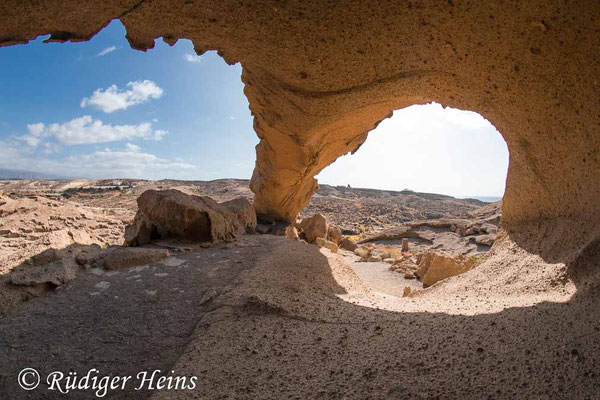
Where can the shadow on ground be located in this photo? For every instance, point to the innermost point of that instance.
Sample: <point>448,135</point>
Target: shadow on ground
<point>274,326</point>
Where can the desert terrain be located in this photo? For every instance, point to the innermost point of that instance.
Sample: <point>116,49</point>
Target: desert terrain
<point>41,214</point>
<point>269,315</point>
<point>266,315</point>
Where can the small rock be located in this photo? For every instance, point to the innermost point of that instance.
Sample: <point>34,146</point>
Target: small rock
<point>362,252</point>
<point>56,272</point>
<point>292,233</point>
<point>404,245</point>
<point>347,244</point>
<point>409,275</point>
<point>406,291</point>
<point>334,234</point>
<point>327,244</point>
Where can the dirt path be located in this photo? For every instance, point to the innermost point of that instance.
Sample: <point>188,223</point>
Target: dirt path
<point>378,276</point>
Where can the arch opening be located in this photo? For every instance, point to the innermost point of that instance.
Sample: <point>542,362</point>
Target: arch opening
<point>427,181</point>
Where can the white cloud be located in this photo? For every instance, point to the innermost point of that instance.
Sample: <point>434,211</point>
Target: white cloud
<point>134,148</point>
<point>113,99</point>
<point>193,58</point>
<point>129,162</point>
<point>86,130</point>
<point>106,51</point>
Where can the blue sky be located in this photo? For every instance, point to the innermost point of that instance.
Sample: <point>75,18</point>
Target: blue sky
<point>100,109</point>
<point>201,114</point>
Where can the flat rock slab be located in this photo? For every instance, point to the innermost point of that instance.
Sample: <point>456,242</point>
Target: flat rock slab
<point>133,256</point>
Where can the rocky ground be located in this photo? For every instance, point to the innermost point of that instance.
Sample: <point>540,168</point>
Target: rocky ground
<point>37,214</point>
<point>269,318</point>
<point>264,317</point>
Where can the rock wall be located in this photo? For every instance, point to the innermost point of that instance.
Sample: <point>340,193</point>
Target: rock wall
<point>320,75</point>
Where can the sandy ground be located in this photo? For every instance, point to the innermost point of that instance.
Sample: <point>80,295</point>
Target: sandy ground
<point>377,275</point>
<point>289,320</point>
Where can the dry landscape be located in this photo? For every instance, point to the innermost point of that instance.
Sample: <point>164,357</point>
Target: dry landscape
<point>270,289</point>
<point>378,318</point>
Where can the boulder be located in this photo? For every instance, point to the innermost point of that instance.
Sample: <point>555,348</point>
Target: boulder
<point>244,210</point>
<point>347,244</point>
<point>173,214</point>
<point>45,268</point>
<point>125,257</point>
<point>315,227</point>
<point>334,234</point>
<point>327,244</point>
<point>435,267</point>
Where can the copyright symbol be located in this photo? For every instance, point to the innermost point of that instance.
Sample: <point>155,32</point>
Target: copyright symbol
<point>29,379</point>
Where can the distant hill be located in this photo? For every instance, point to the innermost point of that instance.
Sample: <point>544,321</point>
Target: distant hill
<point>19,174</point>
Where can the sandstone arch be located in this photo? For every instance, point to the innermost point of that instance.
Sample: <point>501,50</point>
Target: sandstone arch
<point>320,75</point>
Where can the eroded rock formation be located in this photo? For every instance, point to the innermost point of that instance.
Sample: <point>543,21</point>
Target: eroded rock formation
<point>168,214</point>
<point>320,75</point>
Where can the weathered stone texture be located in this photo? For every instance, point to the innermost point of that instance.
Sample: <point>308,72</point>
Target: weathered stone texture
<point>320,75</point>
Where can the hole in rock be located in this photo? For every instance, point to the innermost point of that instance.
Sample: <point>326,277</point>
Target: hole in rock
<point>427,180</point>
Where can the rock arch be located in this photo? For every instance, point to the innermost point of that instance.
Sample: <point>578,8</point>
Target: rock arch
<point>319,75</point>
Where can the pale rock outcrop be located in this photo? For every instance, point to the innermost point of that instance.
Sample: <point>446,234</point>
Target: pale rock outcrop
<point>173,214</point>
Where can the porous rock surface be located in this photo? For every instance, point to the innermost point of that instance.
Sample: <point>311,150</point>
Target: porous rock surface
<point>244,210</point>
<point>317,83</point>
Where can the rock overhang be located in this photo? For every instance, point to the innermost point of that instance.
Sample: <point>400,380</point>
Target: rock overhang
<point>320,76</point>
